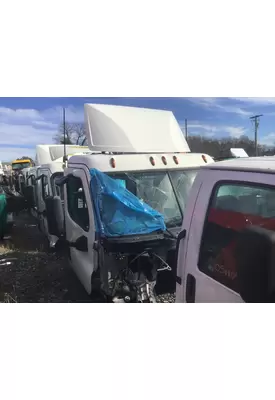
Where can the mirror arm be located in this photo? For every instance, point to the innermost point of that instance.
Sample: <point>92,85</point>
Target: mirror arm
<point>40,177</point>
<point>62,181</point>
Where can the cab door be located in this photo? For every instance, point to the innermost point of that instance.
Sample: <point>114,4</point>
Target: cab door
<point>79,223</point>
<point>44,190</point>
<point>225,203</point>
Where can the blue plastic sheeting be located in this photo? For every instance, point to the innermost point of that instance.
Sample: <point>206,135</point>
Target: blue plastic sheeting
<point>118,211</point>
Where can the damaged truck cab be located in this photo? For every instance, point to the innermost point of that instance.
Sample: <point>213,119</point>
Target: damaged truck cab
<point>124,202</point>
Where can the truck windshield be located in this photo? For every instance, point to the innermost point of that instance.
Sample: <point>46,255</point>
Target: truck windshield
<point>182,183</point>
<point>21,165</point>
<point>163,191</point>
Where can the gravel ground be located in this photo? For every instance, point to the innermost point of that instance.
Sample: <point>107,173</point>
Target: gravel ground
<point>36,276</point>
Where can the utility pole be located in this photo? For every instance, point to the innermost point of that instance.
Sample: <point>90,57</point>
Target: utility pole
<point>186,132</point>
<point>255,120</point>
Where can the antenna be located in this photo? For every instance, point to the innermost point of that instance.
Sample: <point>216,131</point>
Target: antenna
<point>255,119</point>
<point>186,130</point>
<point>65,158</point>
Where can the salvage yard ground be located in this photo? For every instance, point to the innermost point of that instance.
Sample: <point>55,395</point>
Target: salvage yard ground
<point>35,275</point>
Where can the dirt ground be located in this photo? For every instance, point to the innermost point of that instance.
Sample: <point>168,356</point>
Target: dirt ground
<point>34,274</point>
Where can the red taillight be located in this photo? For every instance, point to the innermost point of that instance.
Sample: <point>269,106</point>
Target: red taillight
<point>176,161</point>
<point>204,158</point>
<point>164,160</point>
<point>113,162</point>
<point>152,161</point>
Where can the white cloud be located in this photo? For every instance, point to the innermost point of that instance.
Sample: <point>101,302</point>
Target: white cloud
<point>54,114</point>
<point>11,153</point>
<point>268,140</point>
<point>29,127</point>
<point>267,101</point>
<point>218,104</point>
<point>212,130</point>
<point>26,114</point>
<point>25,134</point>
<point>235,131</point>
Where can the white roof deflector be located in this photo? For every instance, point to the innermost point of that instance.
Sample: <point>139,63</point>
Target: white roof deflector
<point>238,153</point>
<point>132,130</point>
<point>46,154</point>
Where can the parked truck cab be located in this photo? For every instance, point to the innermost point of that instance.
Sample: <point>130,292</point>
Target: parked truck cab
<point>41,180</point>
<point>143,156</point>
<point>226,198</point>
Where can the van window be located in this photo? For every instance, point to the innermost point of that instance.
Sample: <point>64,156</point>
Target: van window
<point>233,208</point>
<point>77,205</point>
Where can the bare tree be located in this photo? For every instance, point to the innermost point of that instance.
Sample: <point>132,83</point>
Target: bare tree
<point>74,134</point>
<point>79,134</point>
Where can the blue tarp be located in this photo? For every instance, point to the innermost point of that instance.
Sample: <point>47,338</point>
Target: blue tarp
<point>118,211</point>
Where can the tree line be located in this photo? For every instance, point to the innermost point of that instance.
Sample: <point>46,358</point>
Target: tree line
<point>220,147</point>
<point>75,134</point>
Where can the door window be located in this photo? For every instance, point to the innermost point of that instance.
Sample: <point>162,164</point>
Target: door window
<point>233,207</point>
<point>77,205</point>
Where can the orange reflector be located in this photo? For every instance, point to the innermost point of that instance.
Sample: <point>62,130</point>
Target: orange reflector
<point>113,162</point>
<point>204,158</point>
<point>164,160</point>
<point>176,161</point>
<point>152,161</point>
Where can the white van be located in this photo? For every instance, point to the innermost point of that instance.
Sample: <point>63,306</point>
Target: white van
<point>226,198</point>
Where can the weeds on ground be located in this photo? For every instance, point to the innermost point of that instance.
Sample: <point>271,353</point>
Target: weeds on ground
<point>8,298</point>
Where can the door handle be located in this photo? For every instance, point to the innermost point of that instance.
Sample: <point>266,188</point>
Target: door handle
<point>190,291</point>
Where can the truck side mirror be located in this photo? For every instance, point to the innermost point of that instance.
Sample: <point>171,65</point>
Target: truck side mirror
<point>62,181</point>
<point>255,261</point>
<point>55,215</point>
<point>81,244</point>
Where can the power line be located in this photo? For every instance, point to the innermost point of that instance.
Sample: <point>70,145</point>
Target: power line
<point>256,121</point>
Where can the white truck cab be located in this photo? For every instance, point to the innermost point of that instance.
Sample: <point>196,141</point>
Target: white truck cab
<point>23,178</point>
<point>226,198</point>
<point>41,179</point>
<point>143,151</point>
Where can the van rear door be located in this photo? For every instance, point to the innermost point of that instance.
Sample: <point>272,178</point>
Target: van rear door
<point>221,204</point>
